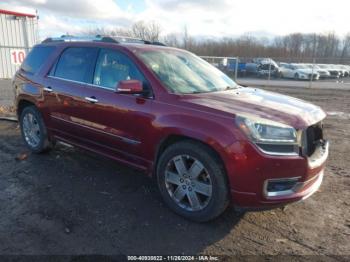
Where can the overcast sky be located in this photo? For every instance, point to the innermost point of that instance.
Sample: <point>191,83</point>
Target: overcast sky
<point>216,18</point>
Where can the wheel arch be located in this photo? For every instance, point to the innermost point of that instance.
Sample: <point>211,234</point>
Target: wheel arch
<point>176,138</point>
<point>23,103</point>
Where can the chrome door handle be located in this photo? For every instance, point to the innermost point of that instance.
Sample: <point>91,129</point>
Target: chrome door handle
<point>91,99</point>
<point>48,89</point>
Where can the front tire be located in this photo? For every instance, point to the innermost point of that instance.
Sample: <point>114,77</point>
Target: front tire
<point>192,181</point>
<point>33,129</point>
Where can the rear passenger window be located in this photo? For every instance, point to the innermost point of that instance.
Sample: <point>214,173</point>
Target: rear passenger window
<point>36,58</point>
<point>76,63</point>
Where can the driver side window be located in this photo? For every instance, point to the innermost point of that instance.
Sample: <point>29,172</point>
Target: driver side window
<point>113,67</point>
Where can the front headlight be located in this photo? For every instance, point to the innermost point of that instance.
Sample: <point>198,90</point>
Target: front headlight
<point>270,136</point>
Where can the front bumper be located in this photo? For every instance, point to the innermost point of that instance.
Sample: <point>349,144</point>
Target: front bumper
<point>251,179</point>
<point>309,76</point>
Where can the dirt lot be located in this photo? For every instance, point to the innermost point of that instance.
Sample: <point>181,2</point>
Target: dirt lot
<point>72,202</point>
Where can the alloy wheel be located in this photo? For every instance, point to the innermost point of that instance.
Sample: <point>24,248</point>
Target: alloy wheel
<point>31,130</point>
<point>188,182</point>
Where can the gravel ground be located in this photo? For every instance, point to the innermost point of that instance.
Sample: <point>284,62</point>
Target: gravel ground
<point>69,201</point>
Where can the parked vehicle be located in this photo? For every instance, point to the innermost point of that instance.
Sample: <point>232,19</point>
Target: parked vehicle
<point>206,140</point>
<point>298,72</point>
<point>228,66</point>
<point>346,70</point>
<point>268,70</point>
<point>337,68</point>
<point>322,72</point>
<point>333,72</point>
<point>342,69</point>
<point>263,67</point>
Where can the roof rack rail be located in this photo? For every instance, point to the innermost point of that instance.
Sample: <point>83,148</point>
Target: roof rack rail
<point>128,39</point>
<point>101,38</point>
<point>71,38</point>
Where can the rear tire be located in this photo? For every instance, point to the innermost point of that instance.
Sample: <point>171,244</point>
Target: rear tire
<point>33,130</point>
<point>200,193</point>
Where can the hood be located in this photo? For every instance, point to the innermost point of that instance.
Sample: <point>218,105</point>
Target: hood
<point>259,103</point>
<point>323,72</point>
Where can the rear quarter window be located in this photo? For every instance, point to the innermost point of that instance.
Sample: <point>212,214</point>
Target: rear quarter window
<point>36,58</point>
<point>77,64</point>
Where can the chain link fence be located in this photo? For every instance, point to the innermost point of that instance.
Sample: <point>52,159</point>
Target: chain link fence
<point>291,71</point>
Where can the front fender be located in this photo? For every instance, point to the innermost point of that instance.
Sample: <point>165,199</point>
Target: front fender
<point>217,132</point>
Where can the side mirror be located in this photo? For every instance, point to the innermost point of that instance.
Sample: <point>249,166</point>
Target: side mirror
<point>129,87</point>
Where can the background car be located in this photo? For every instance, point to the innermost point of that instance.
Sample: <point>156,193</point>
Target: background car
<point>263,67</point>
<point>346,70</point>
<point>322,72</point>
<point>334,72</point>
<point>228,66</point>
<point>343,69</point>
<point>298,72</point>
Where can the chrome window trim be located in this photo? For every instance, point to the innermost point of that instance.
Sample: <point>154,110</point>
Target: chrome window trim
<point>79,82</point>
<point>93,85</point>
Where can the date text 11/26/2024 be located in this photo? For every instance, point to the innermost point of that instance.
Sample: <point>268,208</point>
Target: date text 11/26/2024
<point>173,258</point>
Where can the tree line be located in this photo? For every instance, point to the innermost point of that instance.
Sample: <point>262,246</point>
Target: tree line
<point>294,47</point>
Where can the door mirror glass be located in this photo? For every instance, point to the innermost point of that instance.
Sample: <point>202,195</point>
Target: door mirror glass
<point>129,87</point>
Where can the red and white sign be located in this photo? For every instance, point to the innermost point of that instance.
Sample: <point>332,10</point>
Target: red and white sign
<point>17,56</point>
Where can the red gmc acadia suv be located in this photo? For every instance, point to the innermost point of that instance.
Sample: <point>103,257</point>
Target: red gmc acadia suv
<point>208,141</point>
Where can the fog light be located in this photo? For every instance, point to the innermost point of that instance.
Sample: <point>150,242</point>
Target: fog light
<point>280,187</point>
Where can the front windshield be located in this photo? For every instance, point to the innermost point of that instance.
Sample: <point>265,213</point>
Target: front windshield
<point>185,73</point>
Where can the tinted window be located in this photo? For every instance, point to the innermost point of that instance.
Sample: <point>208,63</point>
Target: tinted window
<point>112,67</point>
<point>76,63</point>
<point>36,58</point>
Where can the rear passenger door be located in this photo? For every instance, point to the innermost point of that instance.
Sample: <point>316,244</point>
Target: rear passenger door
<point>118,123</point>
<point>66,89</point>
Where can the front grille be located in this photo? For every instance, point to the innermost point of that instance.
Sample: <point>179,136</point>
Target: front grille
<point>334,73</point>
<point>312,135</point>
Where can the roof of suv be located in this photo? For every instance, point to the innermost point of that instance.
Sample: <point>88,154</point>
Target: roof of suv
<point>128,42</point>
<point>133,47</point>
<point>101,39</point>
